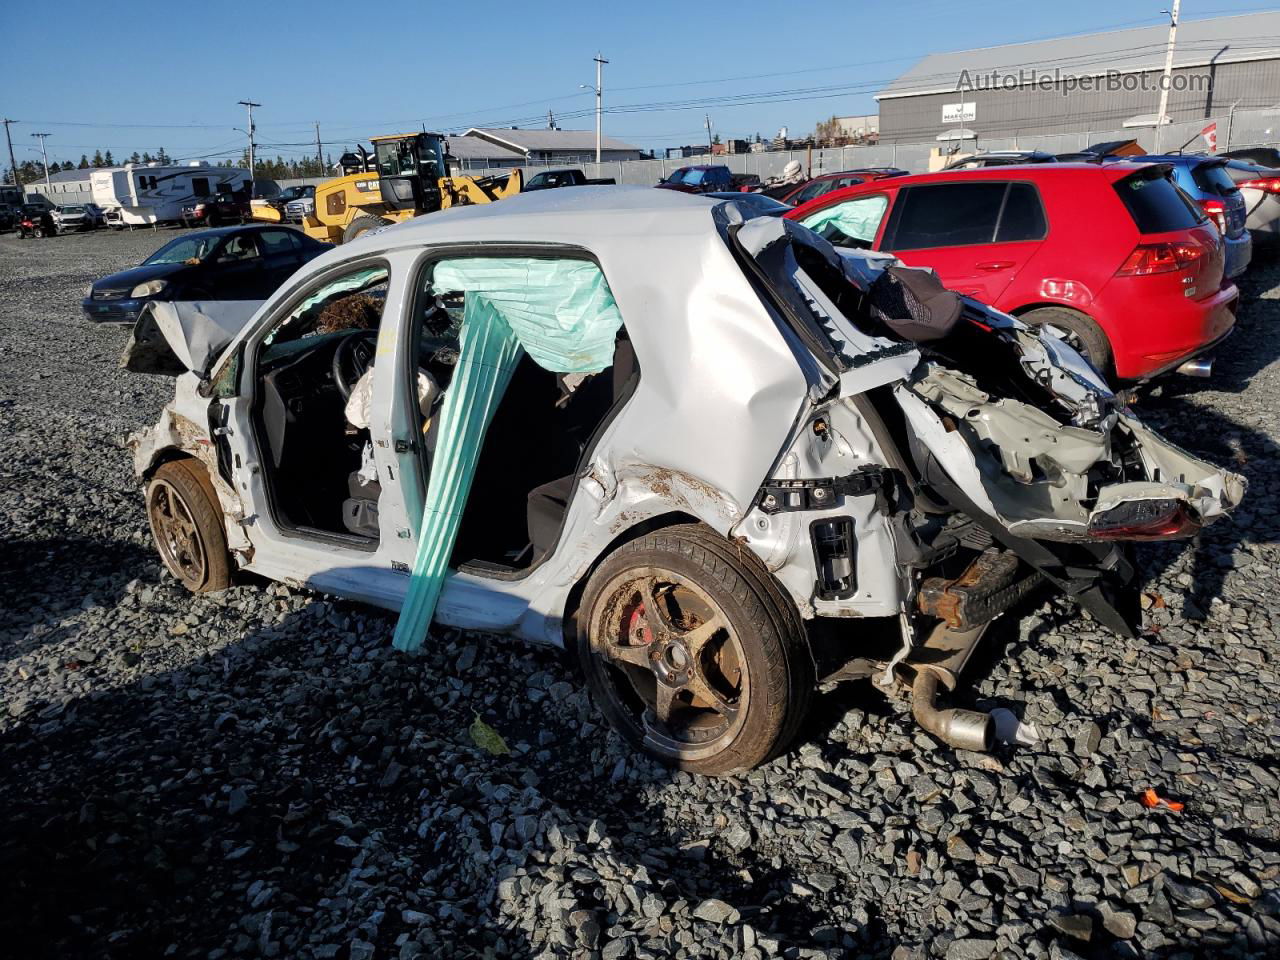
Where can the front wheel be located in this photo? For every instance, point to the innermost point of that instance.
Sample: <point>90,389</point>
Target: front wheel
<point>360,226</point>
<point>186,523</point>
<point>693,652</point>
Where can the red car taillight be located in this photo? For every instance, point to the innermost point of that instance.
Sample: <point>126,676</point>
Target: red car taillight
<point>1265,184</point>
<point>1216,211</point>
<point>1151,258</point>
<point>1145,520</point>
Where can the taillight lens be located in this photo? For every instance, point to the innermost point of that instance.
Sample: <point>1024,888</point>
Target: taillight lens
<point>1145,520</point>
<point>1265,184</point>
<point>1216,211</point>
<point>1152,258</point>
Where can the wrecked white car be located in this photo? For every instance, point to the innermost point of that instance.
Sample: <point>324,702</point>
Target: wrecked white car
<point>724,461</point>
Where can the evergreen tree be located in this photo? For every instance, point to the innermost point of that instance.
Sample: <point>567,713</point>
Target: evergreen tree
<point>146,157</point>
<point>84,162</point>
<point>97,158</point>
<point>164,157</point>
<point>135,158</point>
<point>107,161</point>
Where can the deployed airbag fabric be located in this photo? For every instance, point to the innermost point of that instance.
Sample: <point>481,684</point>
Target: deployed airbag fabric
<point>487,357</point>
<point>858,219</point>
<point>562,313</point>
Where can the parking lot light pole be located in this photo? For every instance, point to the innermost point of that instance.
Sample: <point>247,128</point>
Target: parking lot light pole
<point>1166,79</point>
<point>13,164</point>
<point>250,104</point>
<point>44,154</point>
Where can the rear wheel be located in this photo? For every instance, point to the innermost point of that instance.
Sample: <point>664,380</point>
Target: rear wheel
<point>693,653</point>
<point>1078,330</point>
<point>360,226</point>
<point>186,523</point>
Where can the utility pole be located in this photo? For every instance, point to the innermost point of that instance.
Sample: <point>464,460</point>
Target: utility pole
<point>710,149</point>
<point>1168,69</point>
<point>13,164</point>
<point>250,104</point>
<point>599,93</point>
<point>319,154</point>
<point>47,187</point>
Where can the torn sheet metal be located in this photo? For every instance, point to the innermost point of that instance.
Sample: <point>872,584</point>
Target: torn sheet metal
<point>172,338</point>
<point>1047,480</point>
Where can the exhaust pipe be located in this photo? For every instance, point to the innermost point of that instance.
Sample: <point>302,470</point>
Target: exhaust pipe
<point>962,729</point>
<point>1199,367</point>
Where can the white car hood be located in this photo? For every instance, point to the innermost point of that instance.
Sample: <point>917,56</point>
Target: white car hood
<point>171,338</point>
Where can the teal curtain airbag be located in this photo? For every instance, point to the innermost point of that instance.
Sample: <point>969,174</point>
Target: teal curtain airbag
<point>559,311</point>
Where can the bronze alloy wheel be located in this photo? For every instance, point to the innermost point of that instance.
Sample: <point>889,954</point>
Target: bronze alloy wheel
<point>674,662</point>
<point>186,523</point>
<point>693,652</point>
<point>176,533</point>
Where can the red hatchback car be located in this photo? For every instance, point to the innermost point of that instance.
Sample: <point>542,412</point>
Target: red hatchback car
<point>1115,257</point>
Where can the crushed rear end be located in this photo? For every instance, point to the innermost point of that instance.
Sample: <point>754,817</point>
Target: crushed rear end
<point>1007,462</point>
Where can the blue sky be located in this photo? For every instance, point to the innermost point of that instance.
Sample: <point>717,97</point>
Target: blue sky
<point>141,75</point>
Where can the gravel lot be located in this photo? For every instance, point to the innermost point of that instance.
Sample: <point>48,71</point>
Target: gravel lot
<point>258,773</point>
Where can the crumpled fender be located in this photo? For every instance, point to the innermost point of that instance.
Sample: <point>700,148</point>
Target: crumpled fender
<point>171,338</point>
<point>1059,511</point>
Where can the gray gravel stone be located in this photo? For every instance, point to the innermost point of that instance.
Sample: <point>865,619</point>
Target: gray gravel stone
<point>307,792</point>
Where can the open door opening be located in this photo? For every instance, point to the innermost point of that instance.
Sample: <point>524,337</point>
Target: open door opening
<point>510,487</point>
<point>314,379</point>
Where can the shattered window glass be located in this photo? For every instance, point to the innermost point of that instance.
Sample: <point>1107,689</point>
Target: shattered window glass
<point>348,294</point>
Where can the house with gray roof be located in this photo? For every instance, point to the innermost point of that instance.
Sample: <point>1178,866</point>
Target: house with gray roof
<point>477,153</point>
<point>1097,81</point>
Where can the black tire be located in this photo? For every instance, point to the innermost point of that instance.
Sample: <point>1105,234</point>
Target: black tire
<point>38,233</point>
<point>1082,333</point>
<point>186,524</point>
<point>362,225</point>
<point>752,668</point>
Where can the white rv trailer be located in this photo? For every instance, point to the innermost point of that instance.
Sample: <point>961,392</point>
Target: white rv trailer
<point>148,193</point>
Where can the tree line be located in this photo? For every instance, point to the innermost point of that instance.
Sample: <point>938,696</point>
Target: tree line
<point>32,171</point>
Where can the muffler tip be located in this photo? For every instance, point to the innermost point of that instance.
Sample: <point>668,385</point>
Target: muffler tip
<point>962,729</point>
<point>970,730</point>
<point>1200,367</point>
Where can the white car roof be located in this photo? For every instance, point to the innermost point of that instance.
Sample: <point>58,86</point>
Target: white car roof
<point>588,214</point>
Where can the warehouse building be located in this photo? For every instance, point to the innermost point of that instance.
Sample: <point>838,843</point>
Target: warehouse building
<point>65,186</point>
<point>1100,82</point>
<point>553,145</point>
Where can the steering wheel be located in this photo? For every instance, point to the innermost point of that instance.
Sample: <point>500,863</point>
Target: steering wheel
<point>353,358</point>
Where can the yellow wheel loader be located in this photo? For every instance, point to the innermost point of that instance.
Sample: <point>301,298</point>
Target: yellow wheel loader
<point>407,175</point>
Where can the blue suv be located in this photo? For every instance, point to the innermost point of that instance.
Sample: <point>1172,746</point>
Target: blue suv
<point>1206,181</point>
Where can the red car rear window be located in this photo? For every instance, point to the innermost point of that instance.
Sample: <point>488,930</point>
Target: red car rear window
<point>1156,205</point>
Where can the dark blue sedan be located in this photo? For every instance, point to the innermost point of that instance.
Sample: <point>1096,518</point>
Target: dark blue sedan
<point>230,263</point>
